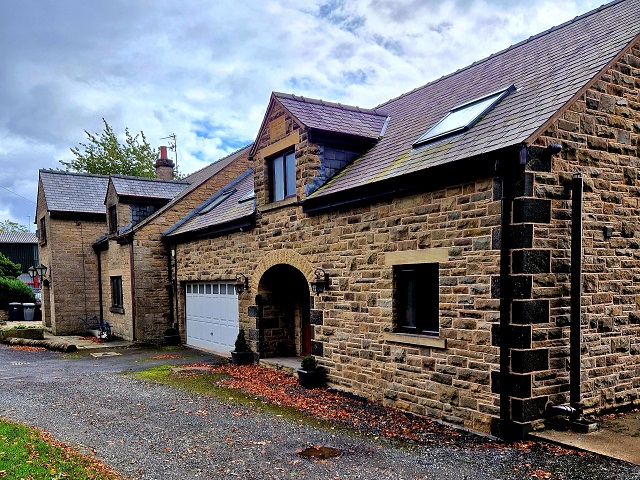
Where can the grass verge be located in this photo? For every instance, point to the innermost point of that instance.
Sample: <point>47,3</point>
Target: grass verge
<point>31,454</point>
<point>208,384</point>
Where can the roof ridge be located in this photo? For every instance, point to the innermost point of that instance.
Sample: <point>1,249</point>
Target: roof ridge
<point>146,179</point>
<point>220,160</point>
<point>65,172</point>
<point>317,101</point>
<point>509,48</point>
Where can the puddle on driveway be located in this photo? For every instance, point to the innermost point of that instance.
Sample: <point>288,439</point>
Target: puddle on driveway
<point>320,452</point>
<point>105,354</point>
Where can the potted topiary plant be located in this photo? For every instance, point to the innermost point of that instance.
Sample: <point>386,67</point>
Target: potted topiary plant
<point>172,336</point>
<point>242,355</point>
<point>309,374</point>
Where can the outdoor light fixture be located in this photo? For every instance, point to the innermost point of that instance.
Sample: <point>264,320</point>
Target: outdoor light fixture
<point>321,283</point>
<point>40,271</point>
<point>242,283</point>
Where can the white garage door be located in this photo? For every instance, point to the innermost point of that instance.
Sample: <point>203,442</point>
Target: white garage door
<point>212,316</point>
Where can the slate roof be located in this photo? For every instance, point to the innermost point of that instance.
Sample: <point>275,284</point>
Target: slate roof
<point>146,187</point>
<point>228,210</point>
<point>18,237</point>
<point>548,70</point>
<point>74,192</point>
<point>196,179</point>
<point>333,117</point>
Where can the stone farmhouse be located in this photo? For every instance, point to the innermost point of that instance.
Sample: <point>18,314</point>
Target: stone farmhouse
<point>433,251</point>
<point>99,236</point>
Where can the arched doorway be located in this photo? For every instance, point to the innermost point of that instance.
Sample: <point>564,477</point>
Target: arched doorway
<point>283,302</point>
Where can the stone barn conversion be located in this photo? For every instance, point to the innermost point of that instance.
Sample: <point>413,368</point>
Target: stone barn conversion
<point>100,237</point>
<point>451,235</point>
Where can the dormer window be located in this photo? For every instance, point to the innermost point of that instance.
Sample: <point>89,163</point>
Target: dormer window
<point>461,118</point>
<point>282,176</point>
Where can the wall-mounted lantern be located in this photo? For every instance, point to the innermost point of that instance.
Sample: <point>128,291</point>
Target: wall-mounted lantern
<point>321,283</point>
<point>242,283</point>
<point>37,274</point>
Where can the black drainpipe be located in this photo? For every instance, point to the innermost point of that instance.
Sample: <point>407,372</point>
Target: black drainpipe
<point>169,285</point>
<point>576,291</point>
<point>100,286</point>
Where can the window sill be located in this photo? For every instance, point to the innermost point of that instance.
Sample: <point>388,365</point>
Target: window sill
<point>411,339</point>
<point>279,204</point>
<point>116,310</point>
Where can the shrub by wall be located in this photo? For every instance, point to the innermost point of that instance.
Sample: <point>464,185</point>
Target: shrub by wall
<point>14,290</point>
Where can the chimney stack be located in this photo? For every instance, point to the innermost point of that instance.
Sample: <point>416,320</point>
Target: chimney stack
<point>164,166</point>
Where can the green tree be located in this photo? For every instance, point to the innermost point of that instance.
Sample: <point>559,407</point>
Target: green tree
<point>8,269</point>
<point>9,226</point>
<point>104,154</point>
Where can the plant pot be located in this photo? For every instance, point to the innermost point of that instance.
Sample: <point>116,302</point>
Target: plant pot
<point>311,378</point>
<point>172,339</point>
<point>242,358</point>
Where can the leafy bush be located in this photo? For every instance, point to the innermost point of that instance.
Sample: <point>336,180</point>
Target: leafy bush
<point>14,290</point>
<point>241,342</point>
<point>308,363</point>
<point>8,268</point>
<point>171,331</point>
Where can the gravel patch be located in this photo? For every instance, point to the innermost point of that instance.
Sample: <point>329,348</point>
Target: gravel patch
<point>149,431</point>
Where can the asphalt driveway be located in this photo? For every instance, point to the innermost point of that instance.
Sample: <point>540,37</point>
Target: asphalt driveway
<point>150,431</point>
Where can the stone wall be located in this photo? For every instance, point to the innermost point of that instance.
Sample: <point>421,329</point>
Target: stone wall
<point>599,134</point>
<point>153,309</point>
<point>116,263</point>
<point>72,272</point>
<point>448,376</point>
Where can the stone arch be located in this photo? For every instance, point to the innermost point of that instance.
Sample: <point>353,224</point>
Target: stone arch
<point>283,256</point>
<point>283,310</point>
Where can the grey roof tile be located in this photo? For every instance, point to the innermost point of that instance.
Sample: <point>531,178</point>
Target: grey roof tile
<point>196,179</point>
<point>548,69</point>
<point>333,117</point>
<point>228,210</point>
<point>74,192</point>
<point>147,187</point>
<point>18,237</point>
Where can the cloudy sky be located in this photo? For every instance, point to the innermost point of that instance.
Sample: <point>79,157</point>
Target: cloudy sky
<point>204,70</point>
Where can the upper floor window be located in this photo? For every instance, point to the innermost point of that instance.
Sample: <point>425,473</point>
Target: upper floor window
<point>113,219</point>
<point>417,298</point>
<point>43,231</point>
<point>282,176</point>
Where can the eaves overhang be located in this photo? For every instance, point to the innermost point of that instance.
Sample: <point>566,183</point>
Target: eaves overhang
<point>237,225</point>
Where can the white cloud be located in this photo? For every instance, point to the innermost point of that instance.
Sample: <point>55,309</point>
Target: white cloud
<point>185,67</point>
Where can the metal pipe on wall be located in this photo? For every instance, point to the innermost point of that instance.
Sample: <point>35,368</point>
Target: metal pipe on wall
<point>576,292</point>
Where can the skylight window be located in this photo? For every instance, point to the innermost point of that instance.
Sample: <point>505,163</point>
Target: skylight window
<point>248,196</point>
<point>461,118</point>
<point>216,202</point>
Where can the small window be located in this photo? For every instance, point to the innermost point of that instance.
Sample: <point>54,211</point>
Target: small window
<point>43,231</point>
<point>113,219</point>
<point>417,298</point>
<point>461,118</point>
<point>282,175</point>
<point>116,293</point>
<point>188,288</point>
